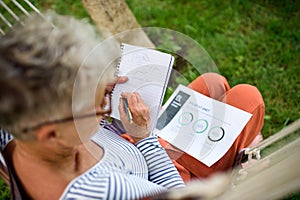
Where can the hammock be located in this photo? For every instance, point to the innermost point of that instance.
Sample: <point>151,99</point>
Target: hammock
<point>11,11</point>
<point>273,177</point>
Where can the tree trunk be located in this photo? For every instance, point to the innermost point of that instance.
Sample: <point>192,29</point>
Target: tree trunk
<point>112,17</point>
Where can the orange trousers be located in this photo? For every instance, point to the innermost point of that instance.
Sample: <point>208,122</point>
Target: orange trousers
<point>242,96</point>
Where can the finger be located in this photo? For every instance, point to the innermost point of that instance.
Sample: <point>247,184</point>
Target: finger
<point>121,79</point>
<point>143,110</point>
<point>141,104</point>
<point>135,109</point>
<point>131,99</point>
<point>117,80</point>
<point>126,95</point>
<point>138,97</point>
<point>139,101</point>
<point>133,102</point>
<point>146,115</point>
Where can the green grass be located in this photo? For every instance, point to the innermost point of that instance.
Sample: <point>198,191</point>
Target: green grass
<point>251,42</point>
<point>255,42</point>
<point>4,190</point>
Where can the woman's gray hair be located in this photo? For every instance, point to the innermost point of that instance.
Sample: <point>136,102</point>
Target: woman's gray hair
<point>39,64</point>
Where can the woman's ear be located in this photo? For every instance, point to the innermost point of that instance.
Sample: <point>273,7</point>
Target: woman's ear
<point>46,133</point>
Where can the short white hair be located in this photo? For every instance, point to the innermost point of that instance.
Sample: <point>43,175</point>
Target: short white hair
<point>39,63</point>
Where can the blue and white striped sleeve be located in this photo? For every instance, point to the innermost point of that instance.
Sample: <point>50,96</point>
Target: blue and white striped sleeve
<point>5,138</point>
<point>161,169</point>
<point>111,185</point>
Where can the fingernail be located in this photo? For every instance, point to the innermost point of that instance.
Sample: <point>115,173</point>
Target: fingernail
<point>123,78</point>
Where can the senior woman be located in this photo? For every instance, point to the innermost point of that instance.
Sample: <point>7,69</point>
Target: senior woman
<point>55,150</point>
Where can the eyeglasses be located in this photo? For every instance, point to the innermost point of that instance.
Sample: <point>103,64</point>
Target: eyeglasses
<point>104,113</point>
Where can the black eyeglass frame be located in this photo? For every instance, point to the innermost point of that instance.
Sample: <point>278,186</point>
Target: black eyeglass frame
<point>104,113</point>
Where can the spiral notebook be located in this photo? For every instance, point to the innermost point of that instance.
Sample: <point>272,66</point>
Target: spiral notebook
<point>148,73</point>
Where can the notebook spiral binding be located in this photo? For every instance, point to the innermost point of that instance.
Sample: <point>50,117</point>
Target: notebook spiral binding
<point>118,65</point>
<point>119,61</point>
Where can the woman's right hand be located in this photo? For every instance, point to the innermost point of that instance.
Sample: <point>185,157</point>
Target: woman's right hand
<point>139,128</point>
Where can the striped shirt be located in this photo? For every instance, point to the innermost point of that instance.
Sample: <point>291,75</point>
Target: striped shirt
<point>126,171</point>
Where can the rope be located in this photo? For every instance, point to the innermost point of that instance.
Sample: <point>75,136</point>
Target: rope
<point>273,177</point>
<point>272,139</point>
<point>12,13</point>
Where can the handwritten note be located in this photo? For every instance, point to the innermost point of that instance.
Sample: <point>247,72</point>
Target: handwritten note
<point>199,125</point>
<point>148,72</point>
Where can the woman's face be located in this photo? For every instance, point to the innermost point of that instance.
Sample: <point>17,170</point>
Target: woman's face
<point>81,129</point>
<point>78,132</point>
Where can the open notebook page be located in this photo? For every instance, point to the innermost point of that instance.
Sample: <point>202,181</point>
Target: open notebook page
<point>148,72</point>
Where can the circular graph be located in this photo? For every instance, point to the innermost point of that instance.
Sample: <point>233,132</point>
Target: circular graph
<point>200,126</point>
<point>185,118</point>
<point>216,134</point>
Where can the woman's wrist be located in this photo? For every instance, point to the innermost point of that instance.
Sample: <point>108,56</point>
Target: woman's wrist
<point>139,138</point>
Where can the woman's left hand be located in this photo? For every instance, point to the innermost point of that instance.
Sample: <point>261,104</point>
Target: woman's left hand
<point>117,80</point>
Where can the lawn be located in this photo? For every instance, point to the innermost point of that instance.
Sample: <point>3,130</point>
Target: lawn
<point>255,42</point>
<point>251,42</point>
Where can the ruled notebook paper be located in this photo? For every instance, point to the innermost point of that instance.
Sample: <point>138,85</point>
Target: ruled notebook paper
<point>148,73</point>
